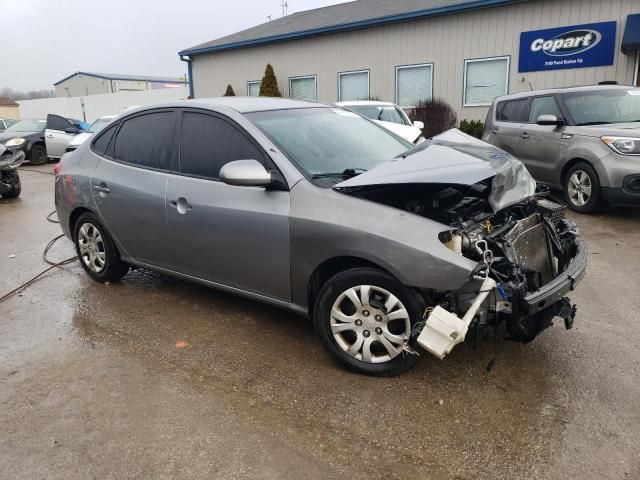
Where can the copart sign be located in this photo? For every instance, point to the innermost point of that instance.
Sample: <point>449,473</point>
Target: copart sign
<point>576,46</point>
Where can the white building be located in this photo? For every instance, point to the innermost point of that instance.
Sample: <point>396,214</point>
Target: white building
<point>86,83</point>
<point>465,51</point>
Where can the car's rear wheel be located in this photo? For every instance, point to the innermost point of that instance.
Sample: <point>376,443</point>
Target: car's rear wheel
<point>38,155</point>
<point>364,318</point>
<point>582,188</point>
<point>96,250</point>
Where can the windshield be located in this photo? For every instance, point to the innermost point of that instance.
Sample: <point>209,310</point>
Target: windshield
<point>329,140</point>
<point>27,126</point>
<point>595,107</point>
<point>99,124</point>
<point>385,113</point>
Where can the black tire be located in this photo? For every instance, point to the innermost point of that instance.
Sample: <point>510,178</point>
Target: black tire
<point>573,197</point>
<point>38,154</point>
<point>334,289</point>
<point>13,179</point>
<point>113,269</point>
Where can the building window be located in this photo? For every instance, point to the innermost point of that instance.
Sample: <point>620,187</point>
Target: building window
<point>353,86</point>
<point>253,88</point>
<point>413,84</point>
<point>484,80</point>
<point>303,88</point>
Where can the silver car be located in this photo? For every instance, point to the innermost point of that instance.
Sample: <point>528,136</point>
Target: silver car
<point>391,249</point>
<point>585,140</point>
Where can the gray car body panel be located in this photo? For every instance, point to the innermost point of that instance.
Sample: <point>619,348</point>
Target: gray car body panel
<point>292,232</point>
<point>548,155</point>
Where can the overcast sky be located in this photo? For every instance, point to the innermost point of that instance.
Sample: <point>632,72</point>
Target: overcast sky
<point>42,41</point>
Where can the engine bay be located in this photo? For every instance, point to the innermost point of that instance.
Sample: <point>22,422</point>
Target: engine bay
<point>522,247</point>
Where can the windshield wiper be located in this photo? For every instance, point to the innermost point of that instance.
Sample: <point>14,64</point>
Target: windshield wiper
<point>347,173</point>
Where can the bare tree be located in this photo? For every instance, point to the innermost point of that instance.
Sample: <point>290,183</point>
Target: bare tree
<point>7,92</point>
<point>437,116</point>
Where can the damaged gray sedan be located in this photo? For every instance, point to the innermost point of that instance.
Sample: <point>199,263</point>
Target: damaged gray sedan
<point>391,250</point>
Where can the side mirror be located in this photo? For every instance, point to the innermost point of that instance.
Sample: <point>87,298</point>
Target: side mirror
<point>247,173</point>
<point>418,124</point>
<point>549,120</point>
<point>71,130</point>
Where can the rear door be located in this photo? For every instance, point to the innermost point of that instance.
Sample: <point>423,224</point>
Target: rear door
<point>541,147</point>
<point>509,117</point>
<point>236,236</point>
<point>56,137</point>
<point>129,185</point>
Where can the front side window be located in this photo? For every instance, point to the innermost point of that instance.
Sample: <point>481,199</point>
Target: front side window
<point>413,84</point>
<point>544,106</point>
<point>597,107</point>
<point>303,88</point>
<point>484,80</point>
<point>513,111</point>
<point>27,126</point>
<point>55,122</point>
<point>353,86</point>
<point>208,143</point>
<point>146,140</point>
<point>328,140</point>
<point>253,89</point>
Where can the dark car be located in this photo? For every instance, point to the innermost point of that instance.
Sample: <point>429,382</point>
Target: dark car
<point>28,136</point>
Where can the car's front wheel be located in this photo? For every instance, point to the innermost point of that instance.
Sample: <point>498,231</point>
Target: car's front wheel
<point>38,154</point>
<point>96,250</point>
<point>364,318</point>
<point>12,178</point>
<point>582,188</point>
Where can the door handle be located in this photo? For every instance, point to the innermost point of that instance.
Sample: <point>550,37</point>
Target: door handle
<point>102,188</point>
<point>524,135</point>
<point>181,204</point>
<point>49,135</point>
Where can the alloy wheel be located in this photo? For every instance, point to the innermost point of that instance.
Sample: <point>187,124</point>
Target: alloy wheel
<point>370,323</point>
<point>580,188</point>
<point>91,246</point>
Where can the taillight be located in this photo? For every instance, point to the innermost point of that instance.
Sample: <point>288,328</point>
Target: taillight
<point>57,168</point>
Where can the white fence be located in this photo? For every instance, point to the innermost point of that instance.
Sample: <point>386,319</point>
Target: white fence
<point>98,105</point>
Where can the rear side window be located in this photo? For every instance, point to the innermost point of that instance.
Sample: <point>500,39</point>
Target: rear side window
<point>208,143</point>
<point>513,110</point>
<point>544,106</point>
<point>146,140</point>
<point>101,143</point>
<point>54,122</point>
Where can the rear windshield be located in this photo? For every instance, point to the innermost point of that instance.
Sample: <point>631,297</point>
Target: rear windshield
<point>384,113</point>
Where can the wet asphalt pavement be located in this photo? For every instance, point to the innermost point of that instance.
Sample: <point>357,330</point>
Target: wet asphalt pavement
<point>92,384</point>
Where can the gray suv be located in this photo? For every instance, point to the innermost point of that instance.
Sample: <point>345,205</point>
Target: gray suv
<point>585,140</point>
<point>391,249</point>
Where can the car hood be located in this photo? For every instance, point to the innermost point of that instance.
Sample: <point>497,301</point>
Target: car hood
<point>4,136</point>
<point>408,132</point>
<point>453,159</point>
<point>79,138</point>
<point>631,129</point>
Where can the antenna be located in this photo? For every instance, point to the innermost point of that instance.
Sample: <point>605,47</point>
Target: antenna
<point>269,17</point>
<point>285,5</point>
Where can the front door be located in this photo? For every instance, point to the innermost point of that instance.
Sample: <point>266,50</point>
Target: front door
<point>56,137</point>
<point>129,187</point>
<point>230,235</point>
<point>541,147</point>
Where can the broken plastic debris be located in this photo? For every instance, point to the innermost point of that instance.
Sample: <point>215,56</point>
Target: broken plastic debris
<point>12,256</point>
<point>182,344</point>
<point>440,402</point>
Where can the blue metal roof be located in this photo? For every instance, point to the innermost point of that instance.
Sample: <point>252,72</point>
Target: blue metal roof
<point>631,37</point>
<point>339,18</point>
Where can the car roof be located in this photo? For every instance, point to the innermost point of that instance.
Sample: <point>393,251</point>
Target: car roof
<point>251,104</point>
<point>364,103</point>
<point>550,91</point>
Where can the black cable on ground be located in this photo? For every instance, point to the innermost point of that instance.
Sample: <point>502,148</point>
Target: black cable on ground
<point>53,264</point>
<point>49,219</point>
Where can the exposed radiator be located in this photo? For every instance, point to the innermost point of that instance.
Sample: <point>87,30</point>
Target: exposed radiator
<point>528,246</point>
